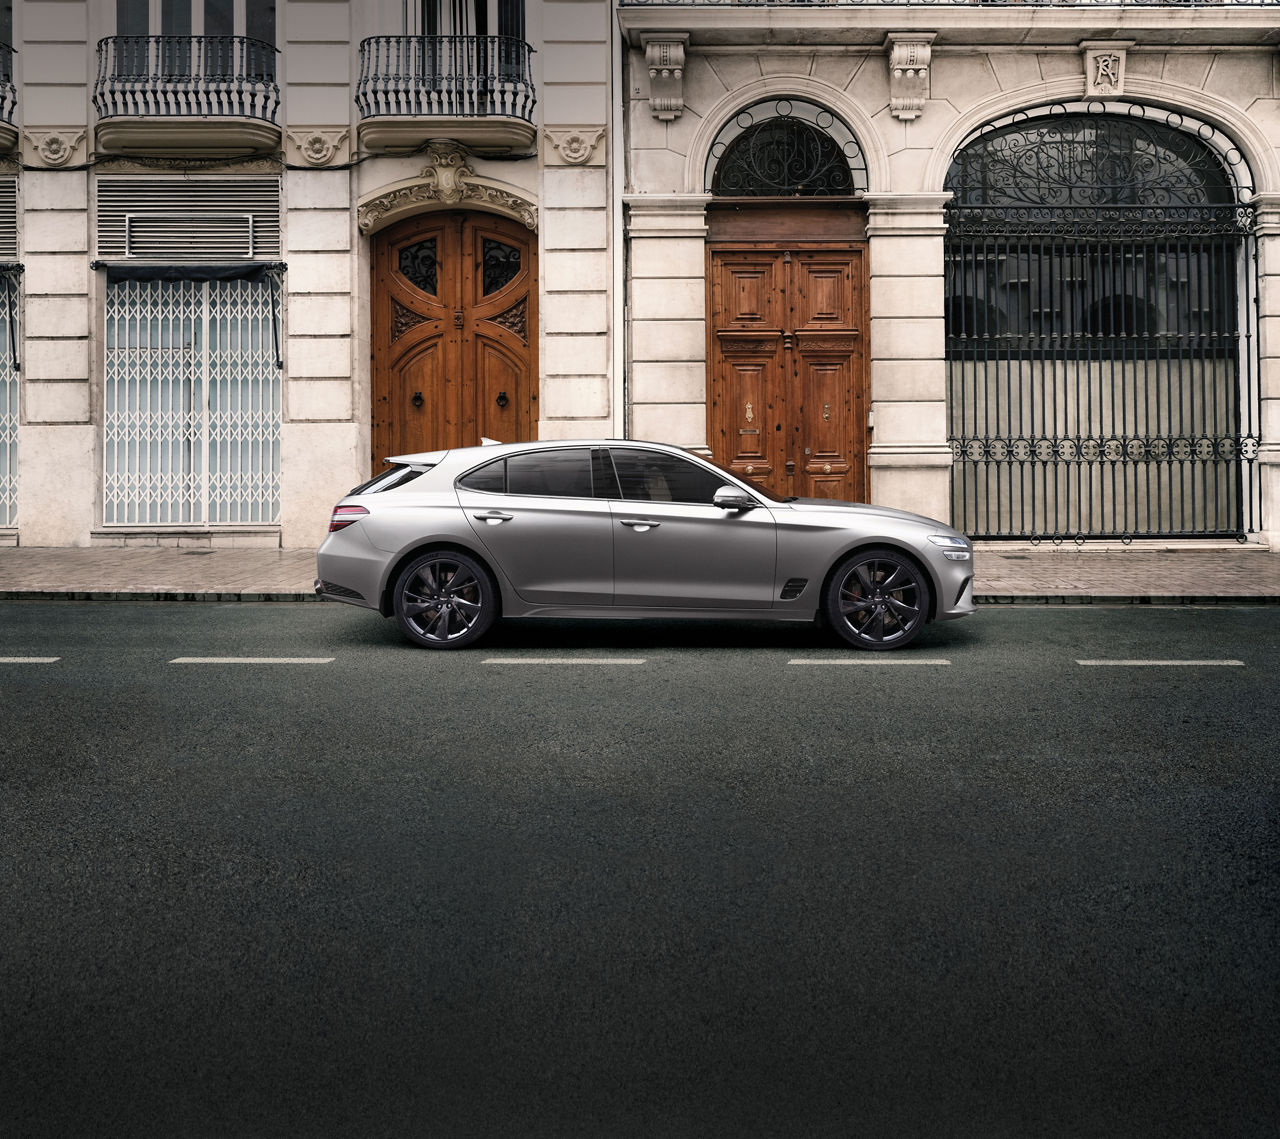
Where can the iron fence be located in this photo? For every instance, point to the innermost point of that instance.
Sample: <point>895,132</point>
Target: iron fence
<point>445,76</point>
<point>1102,370</point>
<point>189,76</point>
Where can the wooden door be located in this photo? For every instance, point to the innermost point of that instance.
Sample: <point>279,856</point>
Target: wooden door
<point>452,323</point>
<point>787,405</point>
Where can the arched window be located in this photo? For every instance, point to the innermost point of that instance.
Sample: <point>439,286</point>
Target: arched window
<point>785,148</point>
<point>1101,326</point>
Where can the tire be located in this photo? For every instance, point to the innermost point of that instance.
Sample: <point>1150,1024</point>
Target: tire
<point>877,599</point>
<point>445,600</point>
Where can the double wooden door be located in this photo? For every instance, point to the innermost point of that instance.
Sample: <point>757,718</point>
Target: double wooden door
<point>788,399</point>
<point>453,318</point>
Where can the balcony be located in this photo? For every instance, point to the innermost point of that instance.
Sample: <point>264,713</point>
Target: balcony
<point>186,96</point>
<point>8,101</point>
<point>476,90</point>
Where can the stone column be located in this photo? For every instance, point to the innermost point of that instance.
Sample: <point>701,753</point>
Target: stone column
<point>1268,233</point>
<point>910,459</point>
<point>667,290</point>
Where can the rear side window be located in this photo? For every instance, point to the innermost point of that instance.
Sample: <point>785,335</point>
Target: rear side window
<point>651,476</point>
<point>552,474</point>
<point>560,474</point>
<point>385,480</point>
<point>491,477</point>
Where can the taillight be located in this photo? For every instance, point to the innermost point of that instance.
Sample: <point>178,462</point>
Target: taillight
<point>343,516</point>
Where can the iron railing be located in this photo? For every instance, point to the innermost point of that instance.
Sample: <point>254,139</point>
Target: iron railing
<point>445,77</point>
<point>1103,372</point>
<point>187,76</point>
<point>8,91</point>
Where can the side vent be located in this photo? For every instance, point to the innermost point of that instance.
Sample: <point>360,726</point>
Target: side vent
<point>793,588</point>
<point>189,218</point>
<point>8,219</point>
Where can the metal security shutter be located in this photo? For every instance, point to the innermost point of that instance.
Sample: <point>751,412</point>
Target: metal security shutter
<point>188,218</point>
<point>193,404</point>
<point>8,219</point>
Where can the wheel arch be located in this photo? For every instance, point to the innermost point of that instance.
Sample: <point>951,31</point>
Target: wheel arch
<point>898,547</point>
<point>385,595</point>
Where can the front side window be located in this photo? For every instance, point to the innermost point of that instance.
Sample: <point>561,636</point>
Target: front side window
<point>651,476</point>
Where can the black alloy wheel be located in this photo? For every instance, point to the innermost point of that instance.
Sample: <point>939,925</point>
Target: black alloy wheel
<point>445,600</point>
<point>878,599</point>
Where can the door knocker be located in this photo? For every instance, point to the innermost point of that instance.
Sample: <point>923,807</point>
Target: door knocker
<point>417,400</point>
<point>502,400</point>
<point>751,415</point>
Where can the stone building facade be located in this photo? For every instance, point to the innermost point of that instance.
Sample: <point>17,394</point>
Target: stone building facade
<point>1016,265</point>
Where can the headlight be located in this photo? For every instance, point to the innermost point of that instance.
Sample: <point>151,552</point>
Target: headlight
<point>953,549</point>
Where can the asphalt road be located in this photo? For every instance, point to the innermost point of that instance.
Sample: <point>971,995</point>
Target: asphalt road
<point>745,884</point>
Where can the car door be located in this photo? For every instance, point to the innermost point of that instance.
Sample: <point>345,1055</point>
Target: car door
<point>534,513</point>
<point>674,549</point>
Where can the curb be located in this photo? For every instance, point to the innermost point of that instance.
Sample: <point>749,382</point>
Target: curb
<point>148,595</point>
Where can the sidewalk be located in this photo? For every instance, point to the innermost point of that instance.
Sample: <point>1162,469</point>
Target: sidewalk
<point>1103,573</point>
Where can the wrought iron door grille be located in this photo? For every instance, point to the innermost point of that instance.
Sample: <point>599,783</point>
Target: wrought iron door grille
<point>1103,377</point>
<point>193,405</point>
<point>8,401</point>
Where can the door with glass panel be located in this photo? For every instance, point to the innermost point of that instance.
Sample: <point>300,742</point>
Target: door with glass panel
<point>214,39</point>
<point>454,358</point>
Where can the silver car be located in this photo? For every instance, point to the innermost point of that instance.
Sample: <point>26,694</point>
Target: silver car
<point>450,541</point>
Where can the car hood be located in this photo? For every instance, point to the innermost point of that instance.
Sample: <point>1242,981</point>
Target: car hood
<point>835,504</point>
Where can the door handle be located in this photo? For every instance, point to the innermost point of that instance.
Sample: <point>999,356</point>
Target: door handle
<point>640,525</point>
<point>493,517</point>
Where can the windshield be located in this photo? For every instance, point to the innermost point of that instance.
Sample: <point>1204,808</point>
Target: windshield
<point>763,492</point>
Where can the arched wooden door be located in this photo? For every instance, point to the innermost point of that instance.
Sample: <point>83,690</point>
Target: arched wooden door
<point>453,321</point>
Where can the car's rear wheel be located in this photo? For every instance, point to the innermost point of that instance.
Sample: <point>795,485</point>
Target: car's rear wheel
<point>878,599</point>
<point>445,600</point>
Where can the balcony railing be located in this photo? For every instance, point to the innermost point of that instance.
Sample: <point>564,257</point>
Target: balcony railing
<point>448,77</point>
<point>8,92</point>
<point>186,77</point>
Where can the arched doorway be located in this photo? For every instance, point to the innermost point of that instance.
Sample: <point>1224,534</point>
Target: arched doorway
<point>1101,328</point>
<point>787,276</point>
<point>453,321</point>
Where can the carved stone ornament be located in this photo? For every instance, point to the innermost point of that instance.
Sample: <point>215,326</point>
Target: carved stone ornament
<point>318,147</point>
<point>576,146</point>
<point>1104,67</point>
<point>909,59</point>
<point>664,55</point>
<point>447,179</point>
<point>55,148</point>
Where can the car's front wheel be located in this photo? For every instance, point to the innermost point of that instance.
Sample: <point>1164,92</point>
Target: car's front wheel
<point>878,599</point>
<point>445,600</point>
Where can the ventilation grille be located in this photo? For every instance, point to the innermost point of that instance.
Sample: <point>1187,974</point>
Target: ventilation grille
<point>8,219</point>
<point>189,219</point>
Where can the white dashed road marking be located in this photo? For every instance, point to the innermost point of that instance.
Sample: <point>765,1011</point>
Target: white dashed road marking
<point>28,660</point>
<point>874,660</point>
<point>251,660</point>
<point>564,660</point>
<point>1163,663</point>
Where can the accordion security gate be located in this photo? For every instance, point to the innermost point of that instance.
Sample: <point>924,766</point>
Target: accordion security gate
<point>193,404</point>
<point>8,403</point>
<point>1102,360</point>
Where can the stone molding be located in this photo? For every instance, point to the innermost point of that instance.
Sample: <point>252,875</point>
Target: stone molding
<point>447,180</point>
<point>317,146</point>
<point>909,60</point>
<point>664,56</point>
<point>906,215</point>
<point>666,215</point>
<point>577,145</point>
<point>1104,65</point>
<point>54,148</point>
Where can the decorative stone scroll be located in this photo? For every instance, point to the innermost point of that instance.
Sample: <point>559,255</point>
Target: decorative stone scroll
<point>664,55</point>
<point>54,148</point>
<point>909,59</point>
<point>576,147</point>
<point>447,179</point>
<point>318,147</point>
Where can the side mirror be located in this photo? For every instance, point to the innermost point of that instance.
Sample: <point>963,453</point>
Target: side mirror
<point>733,498</point>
